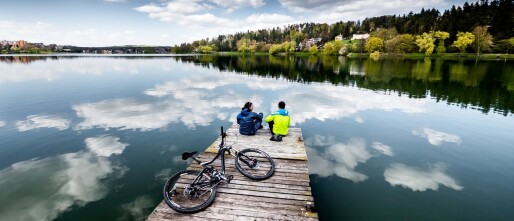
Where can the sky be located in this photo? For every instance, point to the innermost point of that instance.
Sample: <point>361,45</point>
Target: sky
<point>170,22</point>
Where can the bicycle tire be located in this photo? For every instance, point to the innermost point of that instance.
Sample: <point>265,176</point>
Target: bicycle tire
<point>180,200</point>
<point>264,168</point>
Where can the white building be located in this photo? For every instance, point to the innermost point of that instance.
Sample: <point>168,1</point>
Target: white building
<point>339,38</point>
<point>312,41</point>
<point>360,36</point>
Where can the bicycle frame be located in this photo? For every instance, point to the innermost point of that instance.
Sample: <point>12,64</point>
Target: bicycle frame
<point>221,151</point>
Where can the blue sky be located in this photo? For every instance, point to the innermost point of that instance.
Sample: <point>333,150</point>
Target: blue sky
<point>169,22</point>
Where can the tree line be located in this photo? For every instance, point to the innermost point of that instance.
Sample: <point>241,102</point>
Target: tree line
<point>490,23</point>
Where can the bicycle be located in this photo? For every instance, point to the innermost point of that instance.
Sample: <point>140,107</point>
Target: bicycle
<point>191,191</point>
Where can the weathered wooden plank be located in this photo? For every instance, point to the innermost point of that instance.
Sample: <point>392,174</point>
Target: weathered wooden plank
<point>266,194</point>
<point>281,197</point>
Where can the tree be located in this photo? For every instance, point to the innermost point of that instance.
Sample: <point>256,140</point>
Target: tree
<point>332,47</point>
<point>406,43</point>
<point>276,48</point>
<point>425,42</point>
<point>313,50</point>
<point>441,36</point>
<point>205,49</point>
<point>483,40</point>
<point>463,40</point>
<point>246,45</point>
<point>374,44</point>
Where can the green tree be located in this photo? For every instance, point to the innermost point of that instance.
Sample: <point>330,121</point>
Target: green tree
<point>406,43</point>
<point>246,45</point>
<point>205,49</point>
<point>463,40</point>
<point>425,42</point>
<point>374,44</point>
<point>276,48</point>
<point>313,50</point>
<point>483,40</point>
<point>441,36</point>
<point>385,34</point>
<point>330,49</point>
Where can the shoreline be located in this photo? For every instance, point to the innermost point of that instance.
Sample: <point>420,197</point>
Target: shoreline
<point>466,56</point>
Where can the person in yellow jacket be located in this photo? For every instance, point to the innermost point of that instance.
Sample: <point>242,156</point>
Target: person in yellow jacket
<point>279,120</point>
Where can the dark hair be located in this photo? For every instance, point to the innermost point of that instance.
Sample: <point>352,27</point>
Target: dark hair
<point>247,105</point>
<point>281,105</point>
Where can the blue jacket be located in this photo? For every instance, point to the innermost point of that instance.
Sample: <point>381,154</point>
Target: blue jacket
<point>247,122</point>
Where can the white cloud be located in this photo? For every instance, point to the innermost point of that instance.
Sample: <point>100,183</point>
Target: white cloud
<point>48,71</point>
<point>418,179</point>
<point>65,181</point>
<point>319,140</point>
<point>340,159</point>
<point>105,146</point>
<point>116,1</point>
<point>382,148</point>
<point>333,11</point>
<point>13,30</point>
<point>40,121</point>
<point>191,101</point>
<point>436,137</point>
<point>235,4</point>
<point>344,102</point>
<point>136,209</point>
<point>2,123</point>
<point>359,119</point>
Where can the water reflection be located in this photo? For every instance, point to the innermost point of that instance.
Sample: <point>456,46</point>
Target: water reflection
<point>41,189</point>
<point>42,121</point>
<point>435,137</point>
<point>322,102</point>
<point>105,145</point>
<point>341,159</point>
<point>136,210</point>
<point>484,84</point>
<point>418,179</point>
<point>382,148</point>
<point>19,72</point>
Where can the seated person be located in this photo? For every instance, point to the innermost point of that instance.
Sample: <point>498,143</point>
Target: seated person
<point>249,122</point>
<point>279,120</point>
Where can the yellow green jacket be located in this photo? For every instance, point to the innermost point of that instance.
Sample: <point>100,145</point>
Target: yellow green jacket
<point>280,120</point>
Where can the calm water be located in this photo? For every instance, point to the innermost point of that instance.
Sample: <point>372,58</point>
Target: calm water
<point>94,138</point>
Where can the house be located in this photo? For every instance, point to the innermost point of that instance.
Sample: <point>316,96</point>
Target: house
<point>360,36</point>
<point>338,38</point>
<point>312,41</point>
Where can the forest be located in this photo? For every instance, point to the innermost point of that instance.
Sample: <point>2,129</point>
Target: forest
<point>478,27</point>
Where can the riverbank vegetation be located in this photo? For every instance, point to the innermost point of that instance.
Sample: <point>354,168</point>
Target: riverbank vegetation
<point>480,27</point>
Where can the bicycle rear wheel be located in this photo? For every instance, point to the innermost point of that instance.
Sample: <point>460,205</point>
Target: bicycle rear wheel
<point>184,196</point>
<point>255,164</point>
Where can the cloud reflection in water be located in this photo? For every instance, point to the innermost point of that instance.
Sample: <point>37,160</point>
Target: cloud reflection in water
<point>40,121</point>
<point>52,185</point>
<point>418,179</point>
<point>436,137</point>
<point>326,102</point>
<point>340,159</point>
<point>191,101</point>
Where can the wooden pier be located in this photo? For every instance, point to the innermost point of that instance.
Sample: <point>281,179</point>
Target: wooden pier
<point>284,196</point>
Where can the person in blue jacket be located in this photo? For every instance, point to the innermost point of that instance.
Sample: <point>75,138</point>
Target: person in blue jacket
<point>249,122</point>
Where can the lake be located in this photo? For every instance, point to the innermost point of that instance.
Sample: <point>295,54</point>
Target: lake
<point>95,137</point>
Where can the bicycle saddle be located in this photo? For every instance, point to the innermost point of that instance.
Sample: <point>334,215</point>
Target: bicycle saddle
<point>186,155</point>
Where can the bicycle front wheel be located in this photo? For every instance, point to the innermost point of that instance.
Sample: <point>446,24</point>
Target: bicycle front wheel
<point>255,164</point>
<point>184,195</point>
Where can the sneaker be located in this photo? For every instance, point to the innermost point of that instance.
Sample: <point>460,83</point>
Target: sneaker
<point>276,138</point>
<point>260,127</point>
